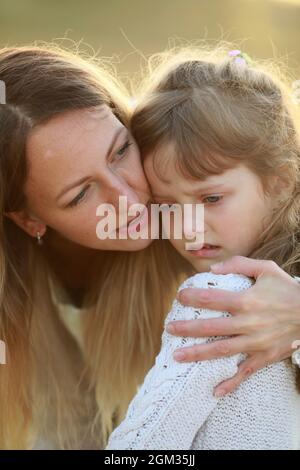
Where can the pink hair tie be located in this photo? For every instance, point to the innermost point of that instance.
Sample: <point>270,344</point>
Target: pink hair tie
<point>296,92</point>
<point>239,57</point>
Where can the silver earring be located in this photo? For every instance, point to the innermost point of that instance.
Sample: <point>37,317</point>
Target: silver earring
<point>39,238</point>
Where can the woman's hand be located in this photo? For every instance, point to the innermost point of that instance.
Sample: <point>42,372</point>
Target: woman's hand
<point>264,324</point>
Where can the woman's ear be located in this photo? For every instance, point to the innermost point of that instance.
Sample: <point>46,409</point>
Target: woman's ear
<point>26,222</point>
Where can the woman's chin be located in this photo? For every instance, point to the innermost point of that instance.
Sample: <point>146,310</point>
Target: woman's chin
<point>123,245</point>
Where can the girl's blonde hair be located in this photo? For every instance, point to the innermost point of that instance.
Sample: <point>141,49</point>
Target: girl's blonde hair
<point>217,113</point>
<point>48,387</point>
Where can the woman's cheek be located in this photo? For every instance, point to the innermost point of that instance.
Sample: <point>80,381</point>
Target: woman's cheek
<point>82,220</point>
<point>178,245</point>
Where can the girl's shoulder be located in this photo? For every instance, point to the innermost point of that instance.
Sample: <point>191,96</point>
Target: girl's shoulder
<point>209,280</point>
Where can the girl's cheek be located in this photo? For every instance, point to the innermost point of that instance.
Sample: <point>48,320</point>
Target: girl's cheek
<point>222,220</point>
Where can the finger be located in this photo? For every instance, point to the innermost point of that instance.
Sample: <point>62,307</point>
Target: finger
<point>213,299</point>
<point>248,367</point>
<point>247,266</point>
<point>245,369</point>
<point>205,328</point>
<point>213,350</point>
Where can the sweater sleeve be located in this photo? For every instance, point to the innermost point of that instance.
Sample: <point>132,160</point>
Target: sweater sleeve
<point>176,398</point>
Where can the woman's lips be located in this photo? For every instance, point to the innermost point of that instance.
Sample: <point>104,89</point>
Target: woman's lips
<point>141,220</point>
<point>207,251</point>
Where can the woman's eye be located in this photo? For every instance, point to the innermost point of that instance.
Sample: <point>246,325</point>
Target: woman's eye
<point>78,198</point>
<point>122,151</point>
<point>212,199</point>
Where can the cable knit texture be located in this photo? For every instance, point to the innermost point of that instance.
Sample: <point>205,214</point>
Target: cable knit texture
<point>175,408</point>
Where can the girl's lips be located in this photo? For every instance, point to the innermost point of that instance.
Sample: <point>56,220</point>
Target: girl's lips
<point>207,251</point>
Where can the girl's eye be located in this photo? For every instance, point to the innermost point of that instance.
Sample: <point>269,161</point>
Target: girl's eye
<point>212,199</point>
<point>78,198</point>
<point>122,151</point>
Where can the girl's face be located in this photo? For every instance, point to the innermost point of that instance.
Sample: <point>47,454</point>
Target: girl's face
<point>236,209</point>
<point>77,161</point>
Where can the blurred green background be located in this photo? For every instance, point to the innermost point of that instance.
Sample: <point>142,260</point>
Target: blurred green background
<point>116,27</point>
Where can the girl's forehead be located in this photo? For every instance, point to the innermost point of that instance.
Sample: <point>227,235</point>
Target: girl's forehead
<point>163,160</point>
<point>167,176</point>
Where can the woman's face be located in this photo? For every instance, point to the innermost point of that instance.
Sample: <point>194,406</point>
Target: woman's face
<point>77,161</point>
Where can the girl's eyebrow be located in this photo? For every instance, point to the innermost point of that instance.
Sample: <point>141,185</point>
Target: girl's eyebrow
<point>204,188</point>
<point>194,191</point>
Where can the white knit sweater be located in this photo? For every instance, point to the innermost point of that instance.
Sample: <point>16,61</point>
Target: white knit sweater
<point>175,407</point>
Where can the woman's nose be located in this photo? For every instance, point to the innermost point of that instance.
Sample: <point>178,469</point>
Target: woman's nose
<point>130,195</point>
<point>117,189</point>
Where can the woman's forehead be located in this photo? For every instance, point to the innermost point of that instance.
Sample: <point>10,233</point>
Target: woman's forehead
<point>68,144</point>
<point>69,126</point>
<point>69,133</point>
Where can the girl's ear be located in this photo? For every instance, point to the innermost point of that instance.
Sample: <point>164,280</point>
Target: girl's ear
<point>281,186</point>
<point>26,222</point>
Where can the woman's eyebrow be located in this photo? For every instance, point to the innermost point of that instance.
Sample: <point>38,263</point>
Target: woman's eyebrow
<point>85,178</point>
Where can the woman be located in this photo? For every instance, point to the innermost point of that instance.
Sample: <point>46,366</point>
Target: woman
<point>65,120</point>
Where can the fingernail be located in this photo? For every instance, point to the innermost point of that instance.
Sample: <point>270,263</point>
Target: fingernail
<point>170,328</point>
<point>220,393</point>
<point>217,266</point>
<point>180,297</point>
<point>179,356</point>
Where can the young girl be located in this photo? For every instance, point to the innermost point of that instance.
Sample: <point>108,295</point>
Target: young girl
<point>218,130</point>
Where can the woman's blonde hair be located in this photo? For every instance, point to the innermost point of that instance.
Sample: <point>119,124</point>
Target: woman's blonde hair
<point>218,112</point>
<point>48,388</point>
